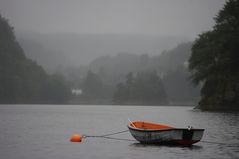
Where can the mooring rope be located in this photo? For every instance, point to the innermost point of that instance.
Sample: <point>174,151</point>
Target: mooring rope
<point>211,142</point>
<point>106,135</point>
<point>220,143</point>
<point>114,138</point>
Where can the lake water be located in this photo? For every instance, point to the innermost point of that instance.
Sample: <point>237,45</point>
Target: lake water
<point>43,132</point>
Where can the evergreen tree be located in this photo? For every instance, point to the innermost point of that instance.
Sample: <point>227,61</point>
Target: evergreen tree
<point>214,62</point>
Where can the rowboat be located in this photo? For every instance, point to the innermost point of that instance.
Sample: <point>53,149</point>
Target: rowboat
<point>151,133</point>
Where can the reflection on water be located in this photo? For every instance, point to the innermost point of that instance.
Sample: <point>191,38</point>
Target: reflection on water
<point>191,147</point>
<point>43,131</point>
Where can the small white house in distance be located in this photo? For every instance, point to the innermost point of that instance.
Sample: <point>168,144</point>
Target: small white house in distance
<point>76,92</point>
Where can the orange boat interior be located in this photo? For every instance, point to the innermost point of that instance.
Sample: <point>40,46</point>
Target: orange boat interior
<point>148,126</point>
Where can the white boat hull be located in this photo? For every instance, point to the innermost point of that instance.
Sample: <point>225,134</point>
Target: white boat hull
<point>168,136</point>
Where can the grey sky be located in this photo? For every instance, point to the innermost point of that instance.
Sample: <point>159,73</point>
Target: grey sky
<point>157,17</point>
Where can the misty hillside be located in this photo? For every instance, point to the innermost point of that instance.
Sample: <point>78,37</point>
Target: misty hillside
<point>112,57</point>
<point>171,67</point>
<point>51,59</point>
<point>23,80</point>
<point>164,63</point>
<point>66,49</point>
<point>174,67</point>
<point>173,59</point>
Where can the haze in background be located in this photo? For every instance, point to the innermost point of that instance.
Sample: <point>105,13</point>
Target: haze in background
<point>63,35</point>
<point>59,33</point>
<point>160,17</point>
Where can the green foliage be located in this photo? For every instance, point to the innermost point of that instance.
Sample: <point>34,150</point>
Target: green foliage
<point>215,59</point>
<point>142,88</point>
<point>22,80</point>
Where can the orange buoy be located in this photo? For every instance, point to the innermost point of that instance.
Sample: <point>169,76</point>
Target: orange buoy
<point>75,138</point>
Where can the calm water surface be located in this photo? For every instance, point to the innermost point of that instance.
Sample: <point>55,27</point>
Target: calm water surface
<point>43,132</point>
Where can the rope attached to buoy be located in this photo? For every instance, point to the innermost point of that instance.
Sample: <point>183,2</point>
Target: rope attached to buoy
<point>78,138</point>
<point>102,136</point>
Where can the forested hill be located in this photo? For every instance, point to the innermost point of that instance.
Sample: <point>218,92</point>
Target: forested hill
<point>23,80</point>
<point>170,66</point>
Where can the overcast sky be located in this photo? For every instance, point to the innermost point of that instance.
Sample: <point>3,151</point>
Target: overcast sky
<point>158,17</point>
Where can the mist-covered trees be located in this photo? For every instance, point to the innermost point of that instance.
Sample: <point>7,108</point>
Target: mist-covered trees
<point>214,62</point>
<point>143,88</point>
<point>21,79</point>
<point>92,86</point>
<point>94,90</point>
<point>171,66</point>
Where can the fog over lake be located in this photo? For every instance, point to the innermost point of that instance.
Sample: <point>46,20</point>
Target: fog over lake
<point>90,67</point>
